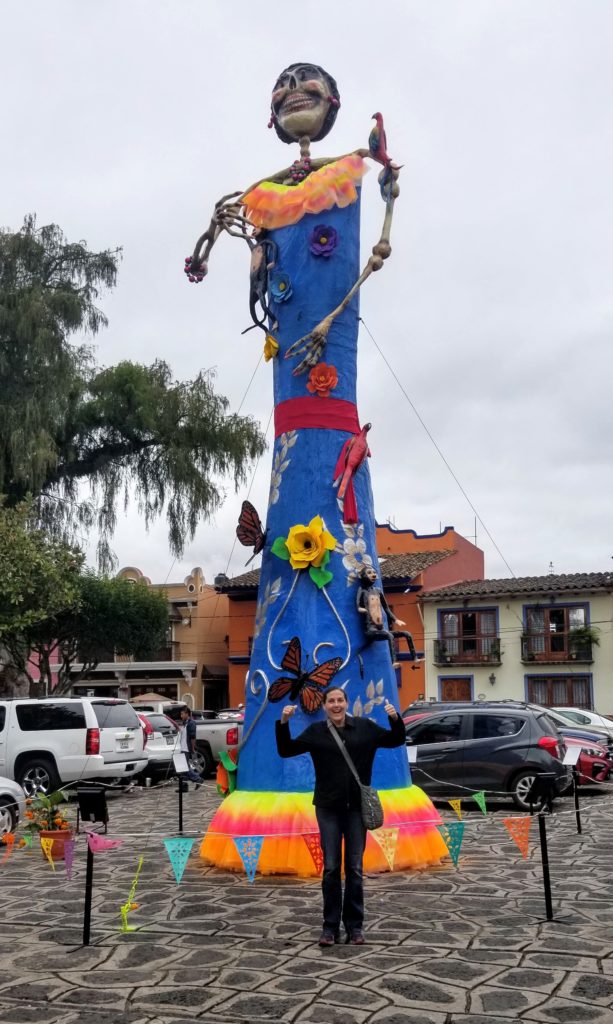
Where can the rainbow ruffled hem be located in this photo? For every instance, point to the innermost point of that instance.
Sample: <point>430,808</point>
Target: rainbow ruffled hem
<point>285,819</point>
<point>270,205</point>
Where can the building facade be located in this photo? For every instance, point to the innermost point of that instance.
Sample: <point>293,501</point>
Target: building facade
<point>193,663</point>
<point>544,639</point>
<point>409,562</point>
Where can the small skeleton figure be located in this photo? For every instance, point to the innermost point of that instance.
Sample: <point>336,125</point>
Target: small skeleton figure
<point>371,603</point>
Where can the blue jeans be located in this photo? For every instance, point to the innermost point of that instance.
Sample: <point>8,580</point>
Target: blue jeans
<point>334,826</point>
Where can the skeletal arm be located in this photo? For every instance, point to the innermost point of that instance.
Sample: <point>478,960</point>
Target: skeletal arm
<point>313,343</point>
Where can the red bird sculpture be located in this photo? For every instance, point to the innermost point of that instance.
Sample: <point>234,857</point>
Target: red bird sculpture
<point>353,454</point>
<point>377,142</point>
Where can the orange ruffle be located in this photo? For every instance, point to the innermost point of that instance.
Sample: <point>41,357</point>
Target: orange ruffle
<point>285,818</point>
<point>270,205</point>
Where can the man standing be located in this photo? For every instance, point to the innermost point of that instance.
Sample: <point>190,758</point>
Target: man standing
<point>337,801</point>
<point>188,743</point>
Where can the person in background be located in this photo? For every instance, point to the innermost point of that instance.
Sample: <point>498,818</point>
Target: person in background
<point>188,744</point>
<point>337,801</point>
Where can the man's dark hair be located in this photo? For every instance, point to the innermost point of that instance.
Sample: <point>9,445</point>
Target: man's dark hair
<point>186,711</point>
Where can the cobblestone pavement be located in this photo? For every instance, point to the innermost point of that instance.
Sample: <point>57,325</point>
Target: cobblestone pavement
<point>445,946</point>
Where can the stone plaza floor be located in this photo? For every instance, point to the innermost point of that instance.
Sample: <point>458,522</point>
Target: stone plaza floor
<point>469,944</point>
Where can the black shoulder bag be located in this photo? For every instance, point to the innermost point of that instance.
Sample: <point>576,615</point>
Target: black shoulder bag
<point>370,804</point>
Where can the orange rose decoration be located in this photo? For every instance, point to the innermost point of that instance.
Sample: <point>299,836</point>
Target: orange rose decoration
<point>322,379</point>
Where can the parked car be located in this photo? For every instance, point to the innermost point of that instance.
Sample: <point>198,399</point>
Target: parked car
<point>171,708</point>
<point>587,719</point>
<point>162,740</point>
<point>594,763</point>
<point>12,805</point>
<point>238,714</point>
<point>493,747</point>
<point>48,743</point>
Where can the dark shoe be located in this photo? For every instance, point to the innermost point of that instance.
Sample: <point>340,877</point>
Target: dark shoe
<point>356,937</point>
<point>327,938</point>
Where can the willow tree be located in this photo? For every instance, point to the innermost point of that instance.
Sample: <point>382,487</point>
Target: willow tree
<point>129,430</point>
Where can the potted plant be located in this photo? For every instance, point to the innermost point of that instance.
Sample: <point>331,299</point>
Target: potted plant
<point>582,639</point>
<point>46,819</point>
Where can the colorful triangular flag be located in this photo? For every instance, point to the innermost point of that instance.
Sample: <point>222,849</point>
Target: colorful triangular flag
<point>452,833</point>
<point>129,905</point>
<point>27,840</point>
<point>479,799</point>
<point>456,805</point>
<point>47,846</point>
<point>178,849</point>
<point>314,847</point>
<point>98,843</point>
<point>8,841</point>
<point>249,848</point>
<point>387,839</point>
<point>69,846</point>
<point>519,830</point>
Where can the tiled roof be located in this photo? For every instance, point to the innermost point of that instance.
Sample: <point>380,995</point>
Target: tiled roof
<point>246,581</point>
<point>403,567</point>
<point>575,582</point>
<point>393,567</point>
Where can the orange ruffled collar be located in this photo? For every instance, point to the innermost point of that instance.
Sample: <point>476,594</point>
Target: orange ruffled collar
<point>270,205</point>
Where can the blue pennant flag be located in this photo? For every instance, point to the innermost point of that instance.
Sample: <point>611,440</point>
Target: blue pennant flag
<point>452,833</point>
<point>178,849</point>
<point>249,849</point>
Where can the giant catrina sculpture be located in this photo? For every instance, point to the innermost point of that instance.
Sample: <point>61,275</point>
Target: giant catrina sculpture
<point>302,228</point>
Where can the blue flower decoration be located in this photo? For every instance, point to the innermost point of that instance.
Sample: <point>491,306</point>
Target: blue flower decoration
<point>322,241</point>
<point>280,287</point>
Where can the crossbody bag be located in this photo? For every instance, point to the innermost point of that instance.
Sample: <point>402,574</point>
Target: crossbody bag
<point>370,805</point>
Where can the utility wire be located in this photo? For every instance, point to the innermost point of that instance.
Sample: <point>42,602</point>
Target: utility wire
<point>419,417</point>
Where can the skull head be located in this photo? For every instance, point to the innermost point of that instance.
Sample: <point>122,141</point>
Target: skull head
<point>305,101</point>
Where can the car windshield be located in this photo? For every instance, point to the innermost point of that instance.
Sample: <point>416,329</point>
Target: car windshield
<point>161,723</point>
<point>115,714</point>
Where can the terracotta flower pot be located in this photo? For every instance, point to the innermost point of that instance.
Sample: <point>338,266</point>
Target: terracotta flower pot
<point>59,837</point>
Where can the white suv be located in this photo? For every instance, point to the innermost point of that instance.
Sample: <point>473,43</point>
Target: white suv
<point>51,742</point>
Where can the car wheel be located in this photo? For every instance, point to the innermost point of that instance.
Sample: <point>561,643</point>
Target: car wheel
<point>520,788</point>
<point>8,816</point>
<point>38,776</point>
<point>203,759</point>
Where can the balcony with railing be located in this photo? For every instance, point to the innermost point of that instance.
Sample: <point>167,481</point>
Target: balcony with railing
<point>467,650</point>
<point>552,648</point>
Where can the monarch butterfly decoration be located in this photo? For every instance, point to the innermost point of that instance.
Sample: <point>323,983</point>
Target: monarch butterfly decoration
<point>249,530</point>
<point>310,686</point>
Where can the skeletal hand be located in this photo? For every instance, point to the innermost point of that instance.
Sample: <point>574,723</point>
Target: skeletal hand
<point>312,344</point>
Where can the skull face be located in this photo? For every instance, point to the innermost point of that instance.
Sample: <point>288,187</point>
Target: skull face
<point>304,103</point>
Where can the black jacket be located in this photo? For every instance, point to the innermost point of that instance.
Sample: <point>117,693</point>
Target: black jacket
<point>335,786</point>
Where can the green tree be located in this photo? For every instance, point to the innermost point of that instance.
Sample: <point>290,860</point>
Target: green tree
<point>40,580</point>
<point>65,422</point>
<point>111,617</point>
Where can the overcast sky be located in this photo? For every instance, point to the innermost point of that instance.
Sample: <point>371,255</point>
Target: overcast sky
<point>124,122</point>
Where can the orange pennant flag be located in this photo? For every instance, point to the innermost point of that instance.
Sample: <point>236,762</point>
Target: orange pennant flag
<point>456,805</point>
<point>387,839</point>
<point>519,830</point>
<point>314,847</point>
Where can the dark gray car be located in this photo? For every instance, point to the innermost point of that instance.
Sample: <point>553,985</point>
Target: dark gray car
<point>498,749</point>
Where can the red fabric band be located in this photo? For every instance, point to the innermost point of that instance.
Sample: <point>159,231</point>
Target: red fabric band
<point>316,413</point>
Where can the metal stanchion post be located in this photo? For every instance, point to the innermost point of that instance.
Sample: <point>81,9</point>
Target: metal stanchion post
<point>545,862</point>
<point>89,887</point>
<point>576,796</point>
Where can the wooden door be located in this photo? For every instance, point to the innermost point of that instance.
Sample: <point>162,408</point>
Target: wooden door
<point>455,689</point>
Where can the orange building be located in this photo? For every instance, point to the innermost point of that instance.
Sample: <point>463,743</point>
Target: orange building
<point>409,563</point>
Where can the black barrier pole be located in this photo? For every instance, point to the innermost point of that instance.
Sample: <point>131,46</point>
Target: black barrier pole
<point>545,862</point>
<point>576,796</point>
<point>89,887</point>
<point>182,786</point>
